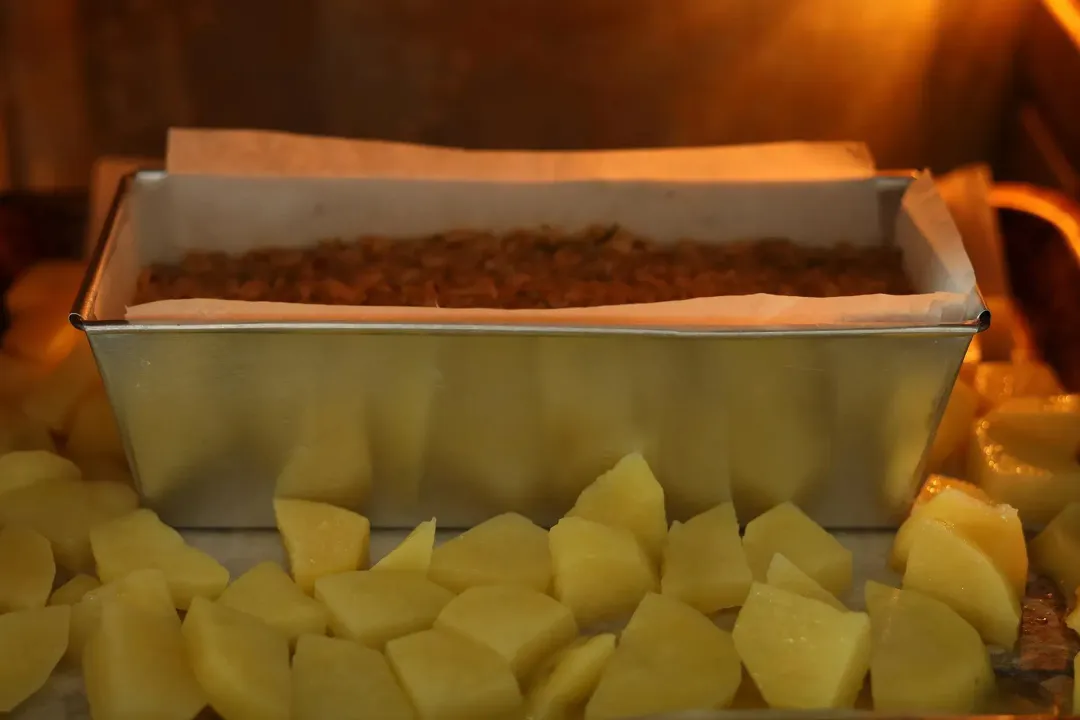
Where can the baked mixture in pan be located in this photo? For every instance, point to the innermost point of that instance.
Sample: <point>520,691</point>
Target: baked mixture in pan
<point>526,269</point>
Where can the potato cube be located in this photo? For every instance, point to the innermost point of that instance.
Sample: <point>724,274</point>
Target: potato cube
<point>568,678</point>
<point>46,284</point>
<point>42,335</point>
<point>450,677</point>
<point>74,589</point>
<point>93,430</point>
<point>140,540</point>
<point>627,497</point>
<point>27,569</point>
<point>801,653</point>
<point>950,443</point>
<point>705,565</point>
<point>601,572</point>
<point>925,658</point>
<point>995,529</point>
<point>784,574</point>
<point>241,663</point>
<point>414,552</point>
<point>374,607</point>
<point>267,592</point>
<point>522,625</point>
<point>508,549</point>
<point>19,432</point>
<point>321,539</point>
<point>937,484</point>
<point>339,679</point>
<point>33,643</point>
<point>26,467</point>
<point>670,658</point>
<point>1055,550</point>
<point>63,511</point>
<point>136,664</point>
<point>143,590</point>
<point>52,400</point>
<point>945,565</point>
<point>787,530</point>
<point>996,382</point>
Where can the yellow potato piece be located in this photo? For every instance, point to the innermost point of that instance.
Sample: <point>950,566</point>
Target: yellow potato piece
<point>18,374</point>
<point>937,484</point>
<point>136,665</point>
<point>704,564</point>
<point>414,552</point>
<point>1055,550</point>
<point>628,497</point>
<point>267,592</point>
<point>1024,455</point>
<point>450,677</point>
<point>143,590</point>
<point>995,529</point>
<point>925,658</point>
<point>601,572</point>
<point>784,574</point>
<point>241,663</point>
<point>945,565</point>
<point>522,625</point>
<point>33,642</point>
<point>801,653</point>
<point>93,428</point>
<point>996,382</point>
<point>26,467</point>
<point>64,511</point>
<point>139,540</point>
<point>43,335</point>
<point>47,283</point>
<point>19,432</point>
<point>321,539</point>
<point>670,658</point>
<point>949,447</point>
<point>52,400</point>
<point>73,590</point>
<point>787,530</point>
<point>374,607</point>
<point>568,678</point>
<point>27,569</point>
<point>339,679</point>
<point>508,549</point>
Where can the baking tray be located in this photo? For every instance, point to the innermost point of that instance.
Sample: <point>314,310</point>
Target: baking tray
<point>407,421</point>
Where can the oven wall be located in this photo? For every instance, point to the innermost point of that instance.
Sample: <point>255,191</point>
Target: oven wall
<point>925,82</point>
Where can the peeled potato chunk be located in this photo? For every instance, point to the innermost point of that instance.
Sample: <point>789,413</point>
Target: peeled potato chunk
<point>995,529</point>
<point>949,447</point>
<point>139,540</point>
<point>142,590</point>
<point>33,642</point>
<point>136,665</point>
<point>627,496</point>
<point>601,572</point>
<point>1056,549</point>
<point>787,530</point>
<point>93,430</point>
<point>947,566</point>
<point>52,400</point>
<point>784,574</point>
<point>321,539</point>
<point>522,625</point>
<point>996,382</point>
<point>670,658</point>
<point>73,590</point>
<point>925,658</point>
<point>1024,454</point>
<point>267,592</point>
<point>801,653</point>
<point>27,569</point>
<point>568,678</point>
<point>339,679</point>
<point>26,467</point>
<point>375,607</point>
<point>937,484</point>
<point>241,663</point>
<point>508,549</point>
<point>414,552</point>
<point>450,677</point>
<point>704,564</point>
<point>63,511</point>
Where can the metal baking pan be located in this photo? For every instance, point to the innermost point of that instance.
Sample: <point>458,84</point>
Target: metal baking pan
<point>406,421</point>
